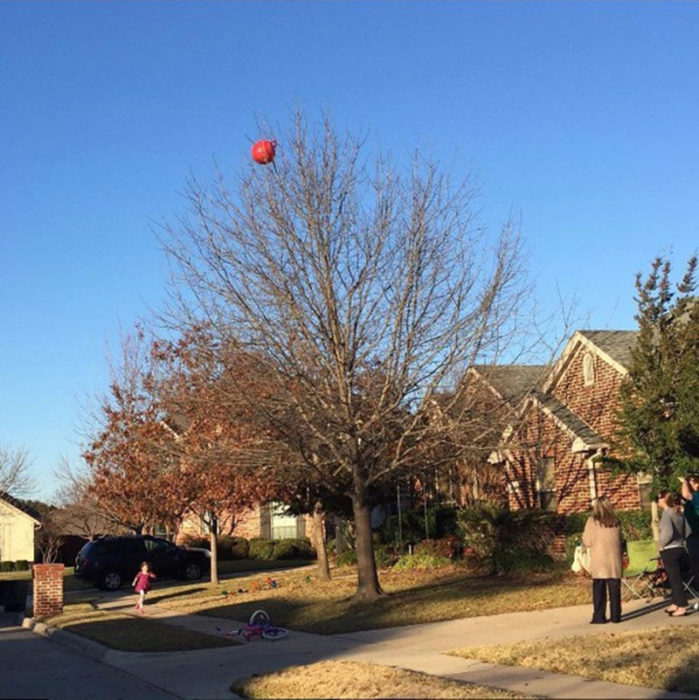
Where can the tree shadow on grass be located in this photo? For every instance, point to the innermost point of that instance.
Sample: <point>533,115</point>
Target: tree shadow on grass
<point>425,603</point>
<point>685,679</point>
<point>140,634</point>
<point>159,595</point>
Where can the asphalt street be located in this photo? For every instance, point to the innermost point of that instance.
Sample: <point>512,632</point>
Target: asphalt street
<point>34,667</point>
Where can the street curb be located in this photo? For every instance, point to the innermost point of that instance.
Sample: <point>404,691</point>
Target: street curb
<point>94,650</point>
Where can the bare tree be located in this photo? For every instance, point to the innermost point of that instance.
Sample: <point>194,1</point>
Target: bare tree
<point>79,511</point>
<point>15,478</point>
<point>367,290</point>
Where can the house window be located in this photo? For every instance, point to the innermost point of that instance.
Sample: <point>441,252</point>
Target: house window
<point>282,526</point>
<point>588,369</point>
<point>546,483</point>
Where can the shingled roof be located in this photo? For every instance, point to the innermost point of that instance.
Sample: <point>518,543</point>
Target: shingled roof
<point>512,382</point>
<point>616,344</point>
<point>588,438</point>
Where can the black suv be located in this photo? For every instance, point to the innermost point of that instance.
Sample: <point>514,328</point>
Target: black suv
<point>111,561</point>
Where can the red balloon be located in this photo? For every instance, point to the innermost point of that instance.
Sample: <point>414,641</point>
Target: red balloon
<point>262,152</point>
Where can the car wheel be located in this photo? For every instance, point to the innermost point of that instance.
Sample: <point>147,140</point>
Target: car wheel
<point>192,570</point>
<point>111,580</point>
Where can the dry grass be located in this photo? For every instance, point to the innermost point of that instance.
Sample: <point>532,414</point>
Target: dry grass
<point>348,679</point>
<point>415,597</point>
<point>664,657</point>
<point>70,583</point>
<point>128,633</point>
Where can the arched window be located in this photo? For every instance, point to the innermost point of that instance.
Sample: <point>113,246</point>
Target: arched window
<point>588,366</point>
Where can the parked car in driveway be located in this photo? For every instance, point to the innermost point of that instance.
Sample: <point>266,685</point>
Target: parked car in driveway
<point>109,562</point>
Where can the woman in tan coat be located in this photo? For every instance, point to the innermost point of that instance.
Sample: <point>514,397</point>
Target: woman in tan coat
<point>602,536</point>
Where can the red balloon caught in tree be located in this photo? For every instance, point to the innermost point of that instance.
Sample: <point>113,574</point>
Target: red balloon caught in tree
<point>262,152</point>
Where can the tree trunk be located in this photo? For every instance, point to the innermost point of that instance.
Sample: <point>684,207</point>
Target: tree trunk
<point>368,587</point>
<point>214,553</point>
<point>319,543</point>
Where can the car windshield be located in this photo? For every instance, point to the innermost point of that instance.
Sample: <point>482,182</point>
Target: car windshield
<point>87,548</point>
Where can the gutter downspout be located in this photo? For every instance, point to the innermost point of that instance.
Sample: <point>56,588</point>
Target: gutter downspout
<point>592,475</point>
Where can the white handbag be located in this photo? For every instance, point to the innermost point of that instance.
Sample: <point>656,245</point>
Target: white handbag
<point>581,559</point>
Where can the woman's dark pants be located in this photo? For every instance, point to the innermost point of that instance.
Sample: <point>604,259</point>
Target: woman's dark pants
<point>600,586</point>
<point>693,549</point>
<point>673,559</point>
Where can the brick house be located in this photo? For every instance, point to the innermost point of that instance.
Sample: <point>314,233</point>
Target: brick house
<point>266,521</point>
<point>495,393</point>
<point>564,421</point>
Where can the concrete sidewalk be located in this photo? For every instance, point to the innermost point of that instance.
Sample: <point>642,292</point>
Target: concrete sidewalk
<point>209,673</point>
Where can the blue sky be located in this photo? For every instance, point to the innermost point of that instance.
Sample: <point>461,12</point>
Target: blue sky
<point>580,118</point>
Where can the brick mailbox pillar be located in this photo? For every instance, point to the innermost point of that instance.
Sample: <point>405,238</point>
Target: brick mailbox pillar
<point>48,590</point>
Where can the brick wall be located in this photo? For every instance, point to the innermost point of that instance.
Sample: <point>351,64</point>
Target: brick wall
<point>540,437</point>
<point>48,590</point>
<point>596,404</point>
<point>248,524</point>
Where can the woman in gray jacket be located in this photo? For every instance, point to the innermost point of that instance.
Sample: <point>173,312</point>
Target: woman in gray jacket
<point>602,535</point>
<point>671,534</point>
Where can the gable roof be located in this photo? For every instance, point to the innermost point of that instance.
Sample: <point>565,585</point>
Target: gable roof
<point>17,507</point>
<point>615,344</point>
<point>511,382</point>
<point>586,438</point>
<point>614,347</point>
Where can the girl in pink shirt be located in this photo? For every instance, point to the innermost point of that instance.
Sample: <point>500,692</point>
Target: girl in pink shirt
<point>141,584</point>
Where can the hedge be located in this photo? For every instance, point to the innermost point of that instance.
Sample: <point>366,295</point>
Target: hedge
<point>261,548</point>
<point>293,549</point>
<point>229,548</point>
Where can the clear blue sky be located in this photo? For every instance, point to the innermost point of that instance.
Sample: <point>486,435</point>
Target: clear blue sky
<point>583,118</point>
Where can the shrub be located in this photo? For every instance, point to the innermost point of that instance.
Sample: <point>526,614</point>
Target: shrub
<point>635,525</point>
<point>201,541</point>
<point>574,523</point>
<point>347,558</point>
<point>441,522</point>
<point>384,556</point>
<point>478,529</point>
<point>223,547</point>
<point>240,548</point>
<point>21,565</point>
<point>447,547</point>
<point>7,566</point>
<point>260,548</point>
<point>411,562</point>
<point>510,540</point>
<point>292,548</point>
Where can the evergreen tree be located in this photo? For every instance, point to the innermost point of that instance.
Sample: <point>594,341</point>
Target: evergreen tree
<point>658,417</point>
